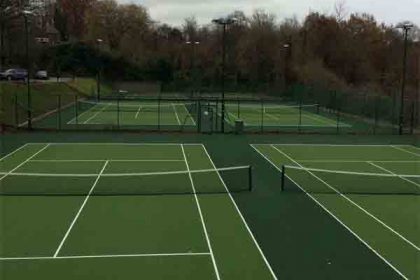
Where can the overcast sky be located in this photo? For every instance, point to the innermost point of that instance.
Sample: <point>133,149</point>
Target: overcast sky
<point>174,11</point>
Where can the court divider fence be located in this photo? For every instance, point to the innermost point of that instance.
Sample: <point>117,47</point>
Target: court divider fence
<point>299,110</point>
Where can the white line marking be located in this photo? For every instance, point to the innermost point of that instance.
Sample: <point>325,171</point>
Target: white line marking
<point>301,167</point>
<point>351,201</point>
<point>192,119</point>
<point>80,210</point>
<point>23,163</point>
<point>10,154</point>
<point>73,120</point>
<point>110,160</point>
<point>240,214</point>
<point>201,214</point>
<point>328,145</point>
<point>404,150</point>
<point>105,256</point>
<point>176,113</point>
<point>138,112</point>
<point>332,215</point>
<point>94,115</point>
<point>357,161</point>
<point>392,173</point>
<point>81,175</point>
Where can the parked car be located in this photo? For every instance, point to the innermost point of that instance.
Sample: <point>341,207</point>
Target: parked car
<point>41,75</point>
<point>14,74</point>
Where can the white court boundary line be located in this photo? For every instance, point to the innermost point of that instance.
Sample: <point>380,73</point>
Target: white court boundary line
<point>105,256</point>
<point>351,201</point>
<point>110,160</point>
<point>138,112</point>
<point>13,152</point>
<point>357,161</point>
<point>4,175</point>
<point>80,211</point>
<point>331,214</point>
<point>94,115</point>
<point>240,214</point>
<point>176,114</point>
<point>404,150</point>
<point>394,174</point>
<point>201,215</point>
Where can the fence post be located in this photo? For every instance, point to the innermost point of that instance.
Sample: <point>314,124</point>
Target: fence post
<point>412,117</point>
<point>59,112</point>
<point>118,111</point>
<point>300,117</point>
<point>283,175</point>
<point>76,109</point>
<point>158,113</point>
<point>262,115</point>
<point>376,114</point>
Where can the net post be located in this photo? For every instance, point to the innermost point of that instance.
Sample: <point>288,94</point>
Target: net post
<point>250,178</point>
<point>76,109</point>
<point>283,175</point>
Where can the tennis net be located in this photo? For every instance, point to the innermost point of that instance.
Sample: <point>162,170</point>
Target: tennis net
<point>323,181</point>
<point>208,181</point>
<point>137,106</point>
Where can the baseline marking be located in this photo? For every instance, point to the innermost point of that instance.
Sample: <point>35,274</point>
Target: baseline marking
<point>404,150</point>
<point>332,215</point>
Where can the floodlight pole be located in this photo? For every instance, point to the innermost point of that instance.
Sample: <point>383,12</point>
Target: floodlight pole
<point>224,22</point>
<point>99,70</point>
<point>406,28</point>
<point>28,66</point>
<point>193,68</point>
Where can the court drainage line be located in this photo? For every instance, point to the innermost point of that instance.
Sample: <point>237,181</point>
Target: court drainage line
<point>80,210</point>
<point>13,152</point>
<point>240,214</point>
<point>201,214</point>
<point>392,173</point>
<point>106,256</point>
<point>24,162</point>
<point>176,113</point>
<point>138,112</point>
<point>332,215</point>
<point>351,201</point>
<point>404,150</point>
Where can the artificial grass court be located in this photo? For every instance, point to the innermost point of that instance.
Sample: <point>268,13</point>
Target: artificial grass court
<point>281,115</point>
<point>371,190</point>
<point>132,113</point>
<point>70,208</point>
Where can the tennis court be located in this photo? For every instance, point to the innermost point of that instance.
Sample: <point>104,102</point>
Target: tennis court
<point>124,211</point>
<point>371,190</point>
<point>281,115</point>
<point>134,113</point>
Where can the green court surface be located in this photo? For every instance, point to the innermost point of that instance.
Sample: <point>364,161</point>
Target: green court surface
<point>371,190</point>
<point>83,211</point>
<point>277,115</point>
<point>134,113</point>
